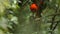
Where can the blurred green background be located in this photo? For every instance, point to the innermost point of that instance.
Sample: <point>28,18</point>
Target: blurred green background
<point>15,19</point>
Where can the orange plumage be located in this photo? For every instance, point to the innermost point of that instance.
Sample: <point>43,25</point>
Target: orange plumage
<point>34,7</point>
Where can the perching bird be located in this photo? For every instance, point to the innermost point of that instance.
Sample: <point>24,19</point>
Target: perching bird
<point>34,7</point>
<point>37,7</point>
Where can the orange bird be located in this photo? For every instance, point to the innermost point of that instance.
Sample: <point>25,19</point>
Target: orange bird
<point>34,7</point>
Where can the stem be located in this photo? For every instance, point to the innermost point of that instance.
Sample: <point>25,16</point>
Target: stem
<point>55,26</point>
<point>53,20</point>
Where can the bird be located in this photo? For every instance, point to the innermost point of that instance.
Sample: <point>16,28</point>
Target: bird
<point>33,7</point>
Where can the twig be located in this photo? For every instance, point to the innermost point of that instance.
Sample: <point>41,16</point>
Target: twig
<point>55,26</point>
<point>53,19</point>
<point>57,14</point>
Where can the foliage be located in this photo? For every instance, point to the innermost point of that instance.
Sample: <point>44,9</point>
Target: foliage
<point>15,19</point>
